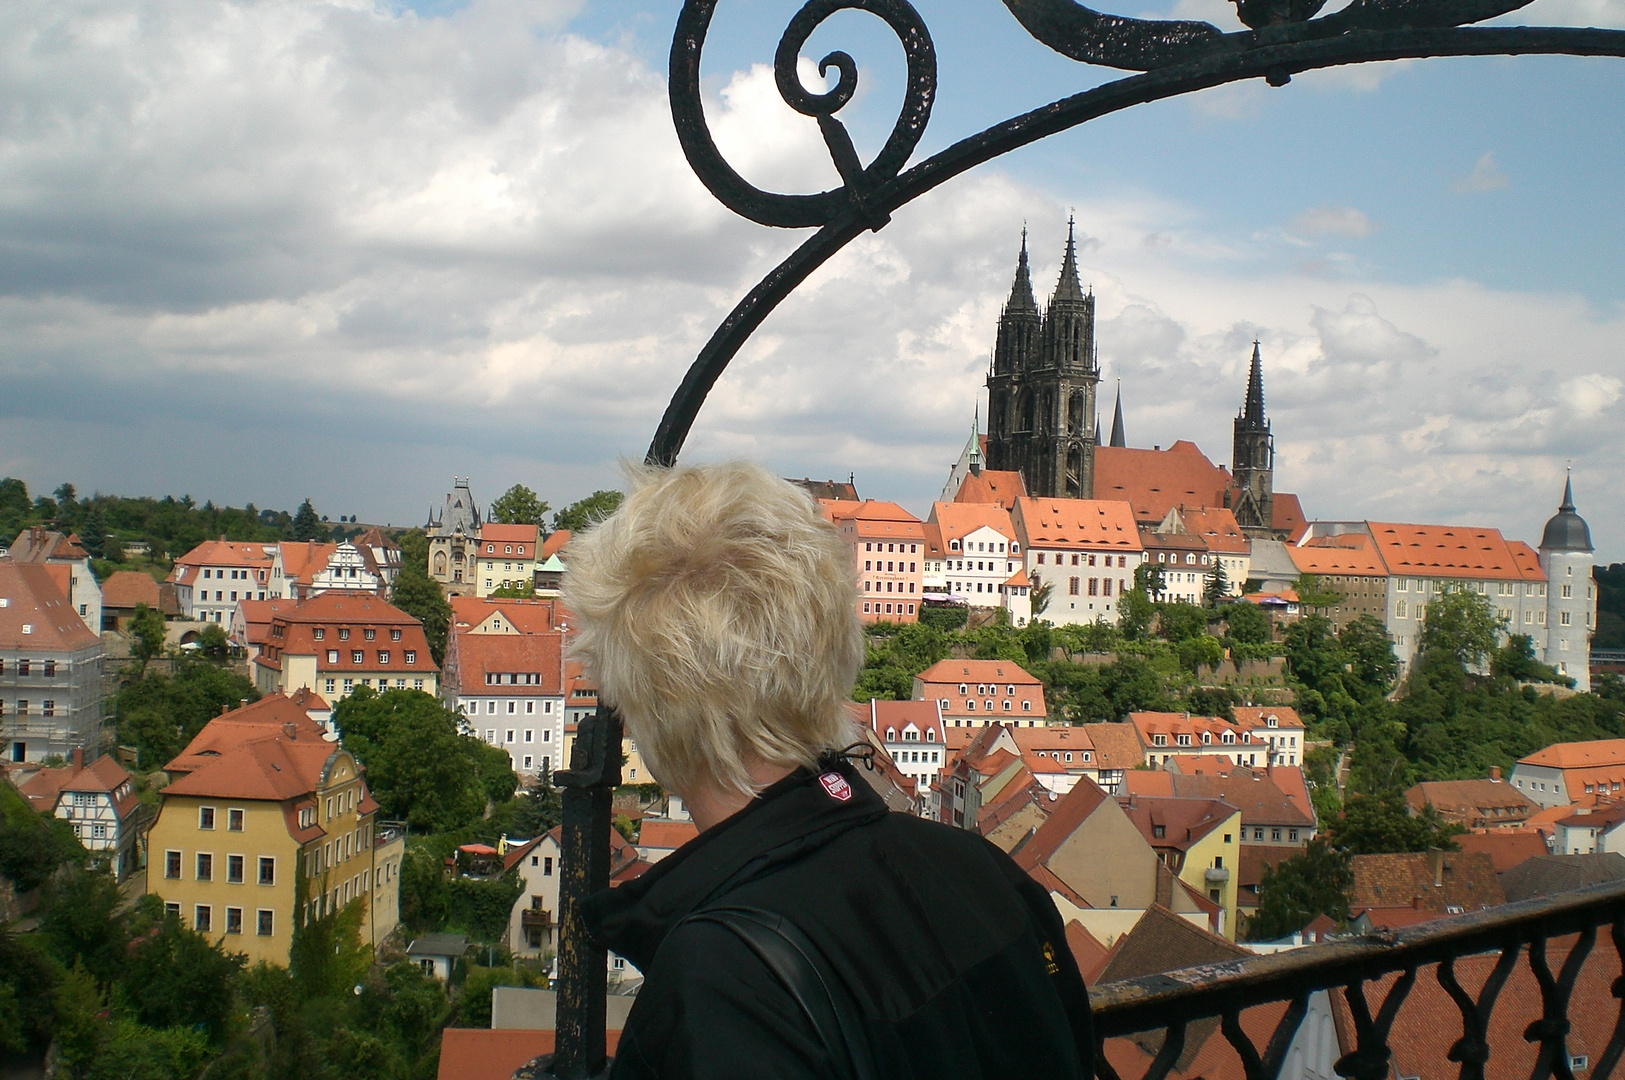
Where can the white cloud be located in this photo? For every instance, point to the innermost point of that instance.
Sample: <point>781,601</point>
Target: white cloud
<point>269,250</point>
<point>1486,176</point>
<point>1333,221</point>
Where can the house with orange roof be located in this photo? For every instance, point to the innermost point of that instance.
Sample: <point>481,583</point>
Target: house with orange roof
<point>99,803</point>
<point>979,556</point>
<point>1228,548</point>
<point>1485,803</point>
<point>1117,751</point>
<point>267,826</point>
<point>213,577</point>
<point>1592,830</point>
<point>533,921</point>
<point>294,565</point>
<point>50,665</point>
<point>1184,561</point>
<point>997,486</point>
<point>38,544</point>
<point>251,624</point>
<point>659,837</point>
<point>1279,726</point>
<point>970,693</point>
<point>1084,550</point>
<point>506,557</point>
<point>1350,565</point>
<point>510,688</point>
<point>337,641</point>
<point>913,734</point>
<point>888,550</point>
<point>1157,480</point>
<point>1199,840</point>
<point>122,593</point>
<point>1164,736</point>
<point>1572,772</point>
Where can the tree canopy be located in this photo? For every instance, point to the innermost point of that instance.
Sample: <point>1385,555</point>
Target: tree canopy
<point>159,713</point>
<point>585,513</point>
<point>421,597</point>
<point>519,506</point>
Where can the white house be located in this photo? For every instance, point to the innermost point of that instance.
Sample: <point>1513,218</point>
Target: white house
<point>100,803</point>
<point>1085,551</point>
<point>212,578</point>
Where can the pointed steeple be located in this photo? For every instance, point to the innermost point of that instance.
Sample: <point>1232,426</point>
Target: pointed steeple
<point>1253,411</point>
<point>1021,290</point>
<point>1568,490</point>
<point>1068,287</point>
<point>1118,438</point>
<point>1567,530</point>
<point>1097,431</point>
<point>974,449</point>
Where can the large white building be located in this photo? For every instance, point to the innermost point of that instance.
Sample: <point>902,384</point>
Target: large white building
<point>973,556</point>
<point>1084,550</point>
<point>212,578</point>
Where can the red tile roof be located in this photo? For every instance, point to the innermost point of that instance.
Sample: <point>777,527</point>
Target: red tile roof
<point>227,553</point>
<point>528,616</point>
<point>275,768</point>
<point>495,1053</point>
<point>655,833</point>
<point>957,520</point>
<point>38,544</point>
<point>1461,551</point>
<point>1218,529</point>
<point>263,719</point>
<point>35,613</point>
<point>1287,516</point>
<point>1117,746</point>
<point>556,542</point>
<point>483,659</point>
<point>992,486</point>
<point>1258,716</point>
<point>127,588</point>
<point>1505,847</point>
<point>293,634</point>
<point>1077,523</point>
<point>1351,554</point>
<point>1437,880</point>
<point>1065,816</point>
<point>524,539</point>
<point>1087,950</point>
<point>302,560</point>
<point>1155,481</point>
<point>1183,821</point>
<point>983,671</point>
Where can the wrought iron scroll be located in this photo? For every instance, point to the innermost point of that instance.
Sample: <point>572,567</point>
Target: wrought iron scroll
<point>1172,57</point>
<point>1472,1050</point>
<point>1267,1067</point>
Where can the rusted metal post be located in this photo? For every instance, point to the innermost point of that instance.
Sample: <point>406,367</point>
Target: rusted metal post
<point>579,1049</point>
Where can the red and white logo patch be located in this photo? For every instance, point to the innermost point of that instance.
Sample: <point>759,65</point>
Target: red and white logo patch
<point>837,787</point>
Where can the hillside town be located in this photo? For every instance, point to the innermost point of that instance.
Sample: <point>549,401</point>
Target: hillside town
<point>1207,723</point>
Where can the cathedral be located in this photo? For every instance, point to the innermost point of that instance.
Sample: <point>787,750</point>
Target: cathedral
<point>1042,420</point>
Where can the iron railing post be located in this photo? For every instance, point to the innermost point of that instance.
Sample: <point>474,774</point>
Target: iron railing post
<point>579,1049</point>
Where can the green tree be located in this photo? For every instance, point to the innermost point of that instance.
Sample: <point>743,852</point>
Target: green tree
<point>945,618</point>
<point>589,511</point>
<point>519,506</point>
<point>113,549</point>
<point>327,957</point>
<point>1516,661</point>
<point>14,496</point>
<point>213,644</point>
<point>306,525</point>
<point>146,634</point>
<point>1200,651</point>
<point>1040,595</point>
<point>1314,596</point>
<point>421,768</point>
<point>93,532</point>
<point>1135,611</point>
<point>540,809</point>
<point>1179,621</point>
<point>1462,624</point>
<point>33,845</point>
<point>159,714</point>
<point>421,597</point>
<point>79,1008</point>
<point>82,925</point>
<point>414,545</point>
<point>1369,653</point>
<point>513,592</point>
<point>1152,580</point>
<point>1296,891</point>
<point>185,980</point>
<point>1383,824</point>
<point>1247,624</point>
<point>1218,585</point>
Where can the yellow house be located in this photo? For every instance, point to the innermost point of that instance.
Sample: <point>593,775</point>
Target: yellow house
<point>266,824</point>
<point>505,556</point>
<point>1199,840</point>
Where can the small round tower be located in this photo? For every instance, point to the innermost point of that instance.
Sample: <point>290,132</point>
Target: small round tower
<point>1566,555</point>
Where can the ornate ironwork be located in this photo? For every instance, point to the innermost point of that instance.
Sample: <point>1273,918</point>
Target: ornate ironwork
<point>1171,57</point>
<point>1354,967</point>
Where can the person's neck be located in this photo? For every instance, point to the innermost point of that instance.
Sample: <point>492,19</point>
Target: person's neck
<point>708,805</point>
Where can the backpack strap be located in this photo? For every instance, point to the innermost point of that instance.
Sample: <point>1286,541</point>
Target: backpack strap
<point>802,970</point>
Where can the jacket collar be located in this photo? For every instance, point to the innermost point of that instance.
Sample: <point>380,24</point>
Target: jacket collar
<point>793,817</point>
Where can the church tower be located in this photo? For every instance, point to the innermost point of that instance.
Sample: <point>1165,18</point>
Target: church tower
<point>1567,557</point>
<point>1041,389</point>
<point>1252,461</point>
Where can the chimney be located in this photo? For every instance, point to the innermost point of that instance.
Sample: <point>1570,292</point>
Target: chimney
<point>1416,903</point>
<point>224,709</point>
<point>244,704</point>
<point>290,730</point>
<point>78,759</point>
<point>1495,774</point>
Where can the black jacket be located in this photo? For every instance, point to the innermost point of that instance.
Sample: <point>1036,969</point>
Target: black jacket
<point>957,960</point>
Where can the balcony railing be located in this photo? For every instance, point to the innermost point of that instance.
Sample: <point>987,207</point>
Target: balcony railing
<point>1371,978</point>
<point>536,919</point>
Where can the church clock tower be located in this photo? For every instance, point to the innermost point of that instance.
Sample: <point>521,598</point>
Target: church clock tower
<point>1252,461</point>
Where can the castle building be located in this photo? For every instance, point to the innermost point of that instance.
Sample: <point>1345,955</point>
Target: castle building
<point>1041,388</point>
<point>454,538</point>
<point>1566,555</point>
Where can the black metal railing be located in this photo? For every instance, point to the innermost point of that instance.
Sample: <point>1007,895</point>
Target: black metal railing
<point>1374,975</point>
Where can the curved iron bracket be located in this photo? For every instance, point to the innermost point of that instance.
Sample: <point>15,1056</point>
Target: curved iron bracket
<point>1172,57</point>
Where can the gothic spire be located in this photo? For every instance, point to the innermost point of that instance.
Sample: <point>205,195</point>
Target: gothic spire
<point>1253,411</point>
<point>1568,491</point>
<point>1021,291</point>
<point>1068,287</point>
<point>1118,438</point>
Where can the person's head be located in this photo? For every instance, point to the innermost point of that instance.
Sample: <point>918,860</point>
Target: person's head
<point>718,613</point>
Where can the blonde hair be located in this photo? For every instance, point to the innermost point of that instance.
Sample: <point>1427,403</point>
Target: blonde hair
<point>718,612</point>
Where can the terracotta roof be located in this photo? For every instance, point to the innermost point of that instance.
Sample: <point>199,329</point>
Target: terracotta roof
<point>924,715</point>
<point>1065,816</point>
<point>1176,542</point>
<point>495,1053</point>
<point>1217,527</point>
<point>1156,480</point>
<point>839,490</point>
<point>1018,579</point>
<point>1441,879</point>
<point>273,768</point>
<point>1161,942</point>
<point>1462,551</point>
<point>262,719</point>
<point>1199,765</point>
<point>495,533</point>
<point>293,633</point>
<point>1287,516</point>
<point>655,833</point>
<point>941,682</point>
<point>527,616</point>
<point>935,546</point>
<point>302,560</point>
<point>1395,918</point>
<point>484,658</point>
<point>556,542</point>
<point>874,519</point>
<point>1548,875</point>
<point>1350,555</point>
<point>127,588</point>
<point>1258,716</point>
<point>1183,821</point>
<point>1174,724</point>
<point>1077,523</point>
<point>1290,779</point>
<point>1087,950</point>
<point>38,544</point>
<point>956,520</point>
<point>982,671</point>
<point>227,553</point>
<point>1458,796</point>
<point>257,617</point>
<point>1574,755</point>
<point>992,486</point>
<point>1252,792</point>
<point>1602,817</point>
<point>35,614</point>
<point>1255,857</point>
<point>1505,847</point>
<point>1148,782</point>
<point>104,775</point>
<point>1117,746</point>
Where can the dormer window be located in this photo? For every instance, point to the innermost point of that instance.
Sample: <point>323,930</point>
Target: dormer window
<point>508,549</point>
<point>344,634</point>
<point>319,633</point>
<point>930,734</point>
<point>962,688</point>
<point>369,634</point>
<point>891,734</point>
<point>953,545</point>
<point>1159,740</point>
<point>1273,722</point>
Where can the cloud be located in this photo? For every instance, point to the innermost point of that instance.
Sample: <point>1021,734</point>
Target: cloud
<point>264,251</point>
<point>1333,221</point>
<point>1486,176</point>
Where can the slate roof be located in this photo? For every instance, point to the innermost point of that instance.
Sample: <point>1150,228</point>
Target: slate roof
<point>1548,875</point>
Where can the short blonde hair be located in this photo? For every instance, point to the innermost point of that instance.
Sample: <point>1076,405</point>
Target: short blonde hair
<point>718,612</point>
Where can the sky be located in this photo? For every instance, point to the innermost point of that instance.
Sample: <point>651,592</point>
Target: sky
<point>264,251</point>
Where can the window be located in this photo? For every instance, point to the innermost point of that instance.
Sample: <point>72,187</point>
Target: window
<point>357,656</point>
<point>234,920</point>
<point>205,817</point>
<point>267,870</point>
<point>547,866</point>
<point>332,656</point>
<point>394,635</point>
<point>411,656</point>
<point>201,918</point>
<point>319,633</point>
<point>234,820</point>
<point>369,634</point>
<point>234,869</point>
<point>264,921</point>
<point>172,865</point>
<point>50,665</point>
<point>344,634</point>
<point>1072,587</point>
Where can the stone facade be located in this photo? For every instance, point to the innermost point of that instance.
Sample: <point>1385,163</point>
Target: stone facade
<point>454,537</point>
